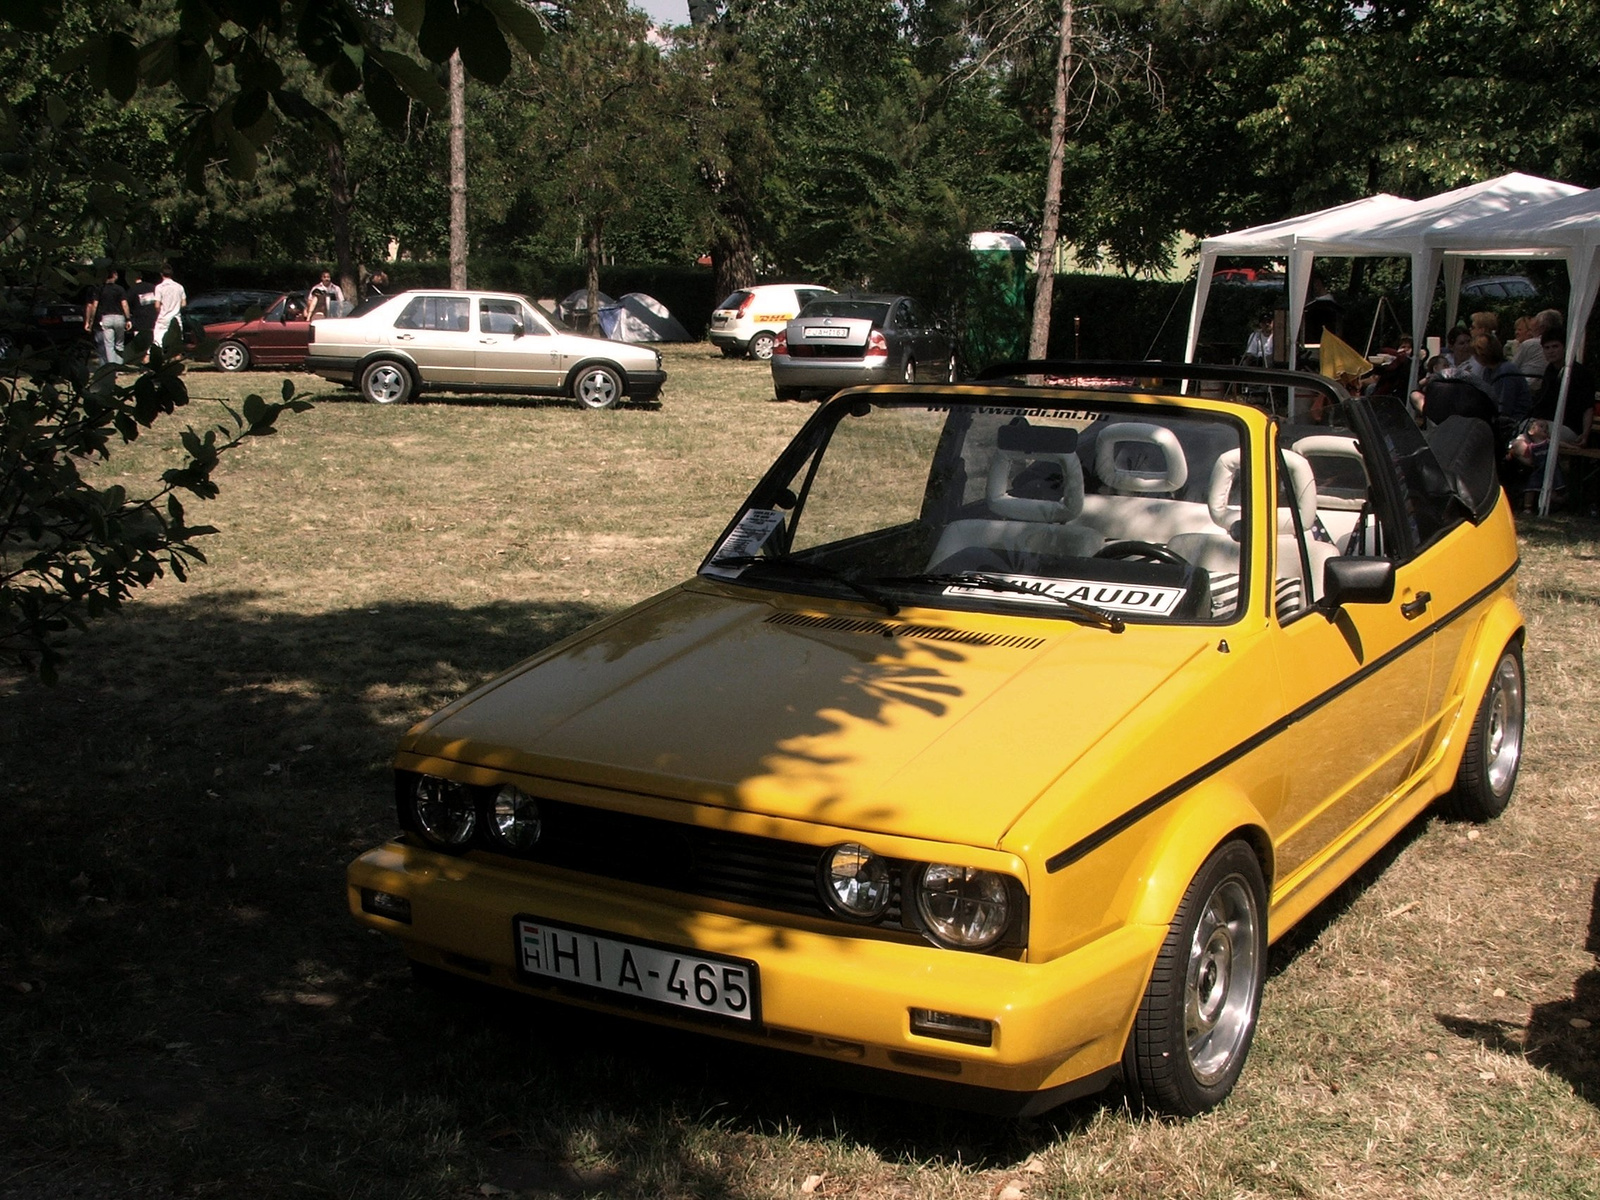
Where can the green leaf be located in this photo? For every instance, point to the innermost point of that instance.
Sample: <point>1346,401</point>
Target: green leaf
<point>255,409</point>
<point>249,107</point>
<point>55,108</point>
<point>408,15</point>
<point>71,59</point>
<point>344,76</point>
<point>483,47</point>
<point>288,389</point>
<point>388,103</point>
<point>122,67</point>
<point>195,72</point>
<point>438,34</point>
<point>158,61</point>
<point>30,15</point>
<point>419,81</point>
<point>521,23</point>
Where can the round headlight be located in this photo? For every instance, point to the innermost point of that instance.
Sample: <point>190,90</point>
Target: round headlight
<point>445,813</point>
<point>856,882</point>
<point>516,821</point>
<point>963,907</point>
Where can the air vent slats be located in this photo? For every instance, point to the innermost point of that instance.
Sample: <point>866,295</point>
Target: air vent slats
<point>894,629</point>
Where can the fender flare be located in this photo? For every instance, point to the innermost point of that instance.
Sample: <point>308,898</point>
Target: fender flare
<point>582,364</point>
<point>385,354</point>
<point>1500,627</point>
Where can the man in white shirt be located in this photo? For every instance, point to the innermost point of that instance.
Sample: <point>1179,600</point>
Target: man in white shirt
<point>170,299</point>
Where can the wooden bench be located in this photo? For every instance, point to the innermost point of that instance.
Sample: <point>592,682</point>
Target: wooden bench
<point>1583,470</point>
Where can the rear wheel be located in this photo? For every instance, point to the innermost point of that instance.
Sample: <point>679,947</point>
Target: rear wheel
<point>787,393</point>
<point>597,387</point>
<point>761,346</point>
<point>231,356</point>
<point>1494,746</point>
<point>1193,1029</point>
<point>729,350</point>
<point>386,382</point>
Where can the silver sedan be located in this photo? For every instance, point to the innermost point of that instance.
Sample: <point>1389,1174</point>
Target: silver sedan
<point>839,341</point>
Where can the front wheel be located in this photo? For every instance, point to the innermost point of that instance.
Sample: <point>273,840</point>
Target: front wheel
<point>761,346</point>
<point>386,382</point>
<point>597,387</point>
<point>231,356</point>
<point>1494,746</point>
<point>1193,1029</point>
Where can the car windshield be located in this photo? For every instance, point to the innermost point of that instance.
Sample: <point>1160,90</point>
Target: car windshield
<point>868,310</point>
<point>1098,512</point>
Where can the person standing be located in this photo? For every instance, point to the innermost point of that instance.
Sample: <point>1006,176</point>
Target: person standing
<point>142,308</point>
<point>325,299</point>
<point>107,316</point>
<point>170,299</point>
<point>1322,311</point>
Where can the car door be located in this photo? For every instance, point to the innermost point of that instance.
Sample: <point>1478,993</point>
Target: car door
<point>1357,682</point>
<point>436,332</point>
<point>280,335</point>
<point>515,348</point>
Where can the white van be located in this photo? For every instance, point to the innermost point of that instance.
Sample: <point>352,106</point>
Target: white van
<point>749,320</point>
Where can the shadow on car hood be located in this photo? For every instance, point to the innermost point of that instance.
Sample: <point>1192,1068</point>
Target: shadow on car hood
<point>810,712</point>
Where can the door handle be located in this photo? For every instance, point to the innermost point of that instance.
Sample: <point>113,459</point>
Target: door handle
<point>1412,609</point>
<point>403,337</point>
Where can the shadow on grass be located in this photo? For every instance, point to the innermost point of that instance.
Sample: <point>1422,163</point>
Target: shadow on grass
<point>507,400</point>
<point>1560,1036</point>
<point>187,1005</point>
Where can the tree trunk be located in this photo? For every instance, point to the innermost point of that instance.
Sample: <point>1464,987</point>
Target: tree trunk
<point>733,256</point>
<point>342,203</point>
<point>458,173</point>
<point>1045,288</point>
<point>591,261</point>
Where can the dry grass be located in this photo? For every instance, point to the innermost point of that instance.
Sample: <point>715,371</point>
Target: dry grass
<point>185,1009</point>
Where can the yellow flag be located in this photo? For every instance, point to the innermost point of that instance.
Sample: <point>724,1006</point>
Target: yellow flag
<point>1339,357</point>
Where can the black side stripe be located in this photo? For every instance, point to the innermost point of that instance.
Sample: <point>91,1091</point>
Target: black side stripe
<point>1172,791</point>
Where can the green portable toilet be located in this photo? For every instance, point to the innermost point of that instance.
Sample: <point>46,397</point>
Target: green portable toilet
<point>997,303</point>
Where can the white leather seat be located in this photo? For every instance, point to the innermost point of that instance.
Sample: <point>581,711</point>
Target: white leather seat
<point>1037,522</point>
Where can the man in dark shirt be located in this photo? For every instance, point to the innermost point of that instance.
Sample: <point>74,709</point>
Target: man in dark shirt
<point>1322,312</point>
<point>107,316</point>
<point>1579,413</point>
<point>142,307</point>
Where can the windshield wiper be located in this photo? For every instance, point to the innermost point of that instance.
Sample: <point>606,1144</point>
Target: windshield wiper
<point>809,568</point>
<point>1085,614</point>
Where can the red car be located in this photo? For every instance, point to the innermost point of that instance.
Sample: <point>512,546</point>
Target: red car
<point>277,338</point>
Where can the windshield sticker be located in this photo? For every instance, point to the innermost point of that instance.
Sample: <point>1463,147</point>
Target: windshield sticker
<point>1109,597</point>
<point>755,527</point>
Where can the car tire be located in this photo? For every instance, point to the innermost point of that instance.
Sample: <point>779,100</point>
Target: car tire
<point>1194,1026</point>
<point>597,387</point>
<point>729,350</point>
<point>231,356</point>
<point>761,346</point>
<point>787,393</point>
<point>385,382</point>
<point>909,374</point>
<point>1494,746</point>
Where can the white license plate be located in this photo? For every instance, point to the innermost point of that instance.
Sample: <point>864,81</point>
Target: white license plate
<point>825,332</point>
<point>704,983</point>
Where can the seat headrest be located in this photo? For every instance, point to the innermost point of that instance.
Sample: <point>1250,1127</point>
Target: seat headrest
<point>1029,486</point>
<point>1302,484</point>
<point>1219,495</point>
<point>1340,469</point>
<point>1132,456</point>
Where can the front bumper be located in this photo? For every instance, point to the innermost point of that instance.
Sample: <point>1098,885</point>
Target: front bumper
<point>645,385</point>
<point>826,991</point>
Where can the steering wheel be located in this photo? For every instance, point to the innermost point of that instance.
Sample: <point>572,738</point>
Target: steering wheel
<point>1147,550</point>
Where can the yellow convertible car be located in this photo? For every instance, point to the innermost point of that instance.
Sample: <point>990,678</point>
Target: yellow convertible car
<point>998,735</point>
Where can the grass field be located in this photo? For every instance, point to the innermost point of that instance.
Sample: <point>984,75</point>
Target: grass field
<point>187,1010</point>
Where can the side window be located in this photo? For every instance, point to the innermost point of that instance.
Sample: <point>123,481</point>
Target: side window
<point>1428,504</point>
<point>532,324</point>
<point>451,314</point>
<point>499,316</point>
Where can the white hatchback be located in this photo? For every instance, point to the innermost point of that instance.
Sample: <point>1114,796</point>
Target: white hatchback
<point>749,320</point>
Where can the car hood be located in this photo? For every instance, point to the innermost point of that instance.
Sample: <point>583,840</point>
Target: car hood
<point>948,733</point>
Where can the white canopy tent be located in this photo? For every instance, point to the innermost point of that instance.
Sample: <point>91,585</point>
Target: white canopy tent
<point>1379,226</point>
<point>1277,240</point>
<point>1567,227</point>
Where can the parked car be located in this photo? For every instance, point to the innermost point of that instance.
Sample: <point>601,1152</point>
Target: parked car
<point>837,341</point>
<point>277,338</point>
<point>455,341</point>
<point>227,304</point>
<point>998,734</point>
<point>33,319</point>
<point>1499,287</point>
<point>1253,277</point>
<point>750,319</point>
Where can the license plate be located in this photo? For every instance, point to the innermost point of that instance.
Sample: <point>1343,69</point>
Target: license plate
<point>711,984</point>
<point>825,332</point>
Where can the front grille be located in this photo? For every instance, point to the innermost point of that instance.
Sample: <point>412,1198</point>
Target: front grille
<point>739,868</point>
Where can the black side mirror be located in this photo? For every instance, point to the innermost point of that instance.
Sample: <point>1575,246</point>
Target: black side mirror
<point>518,329</point>
<point>1353,579</point>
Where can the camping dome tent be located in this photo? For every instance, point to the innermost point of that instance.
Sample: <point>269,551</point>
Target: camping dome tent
<point>635,318</point>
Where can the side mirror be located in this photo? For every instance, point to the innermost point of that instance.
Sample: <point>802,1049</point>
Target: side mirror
<point>1353,579</point>
<point>518,329</point>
